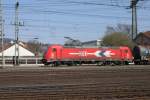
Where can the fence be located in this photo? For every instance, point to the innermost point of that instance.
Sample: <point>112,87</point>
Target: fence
<point>22,60</point>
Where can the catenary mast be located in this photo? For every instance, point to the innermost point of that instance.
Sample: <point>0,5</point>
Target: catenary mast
<point>2,32</point>
<point>134,18</point>
<point>16,59</point>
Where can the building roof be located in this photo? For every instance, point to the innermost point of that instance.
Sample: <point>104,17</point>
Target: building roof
<point>10,51</point>
<point>143,38</point>
<point>147,34</point>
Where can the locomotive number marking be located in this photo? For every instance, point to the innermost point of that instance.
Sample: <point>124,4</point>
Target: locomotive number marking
<point>80,53</point>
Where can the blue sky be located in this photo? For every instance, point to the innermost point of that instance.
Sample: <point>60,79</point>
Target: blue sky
<point>85,20</point>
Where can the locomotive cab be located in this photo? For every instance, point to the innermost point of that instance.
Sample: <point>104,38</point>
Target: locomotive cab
<point>126,54</point>
<point>52,54</point>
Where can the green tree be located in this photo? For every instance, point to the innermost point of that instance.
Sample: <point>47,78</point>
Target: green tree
<point>117,39</point>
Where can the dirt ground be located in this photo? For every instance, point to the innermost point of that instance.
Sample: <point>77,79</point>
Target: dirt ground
<point>75,83</point>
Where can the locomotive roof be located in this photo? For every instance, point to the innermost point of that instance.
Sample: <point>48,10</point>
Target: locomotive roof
<point>104,47</point>
<point>89,47</point>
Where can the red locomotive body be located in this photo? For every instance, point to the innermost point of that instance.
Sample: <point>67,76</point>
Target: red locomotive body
<point>57,54</point>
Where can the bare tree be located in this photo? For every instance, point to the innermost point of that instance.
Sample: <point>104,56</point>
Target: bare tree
<point>120,28</point>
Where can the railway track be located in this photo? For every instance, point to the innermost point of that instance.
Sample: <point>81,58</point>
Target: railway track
<point>85,90</point>
<point>76,84</point>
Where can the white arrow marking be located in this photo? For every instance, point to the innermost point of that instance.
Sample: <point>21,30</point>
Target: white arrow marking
<point>108,54</point>
<point>97,54</point>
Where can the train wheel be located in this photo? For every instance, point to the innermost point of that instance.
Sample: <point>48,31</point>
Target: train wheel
<point>145,62</point>
<point>75,63</point>
<point>100,64</point>
<point>55,64</point>
<point>136,62</point>
<point>80,63</point>
<point>126,63</point>
<point>69,64</point>
<point>117,62</point>
<point>112,64</point>
<point>46,64</point>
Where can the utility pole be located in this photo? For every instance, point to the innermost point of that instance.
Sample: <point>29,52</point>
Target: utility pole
<point>134,18</point>
<point>16,58</point>
<point>17,24</point>
<point>1,32</point>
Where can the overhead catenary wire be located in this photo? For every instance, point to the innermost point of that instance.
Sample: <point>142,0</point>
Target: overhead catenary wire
<point>70,13</point>
<point>39,8</point>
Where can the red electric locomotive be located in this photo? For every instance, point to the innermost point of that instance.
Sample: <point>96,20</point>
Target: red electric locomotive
<point>60,55</point>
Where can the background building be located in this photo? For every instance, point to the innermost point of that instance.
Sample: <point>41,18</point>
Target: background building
<point>143,39</point>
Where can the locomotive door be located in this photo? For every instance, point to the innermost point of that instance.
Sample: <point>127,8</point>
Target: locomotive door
<point>54,53</point>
